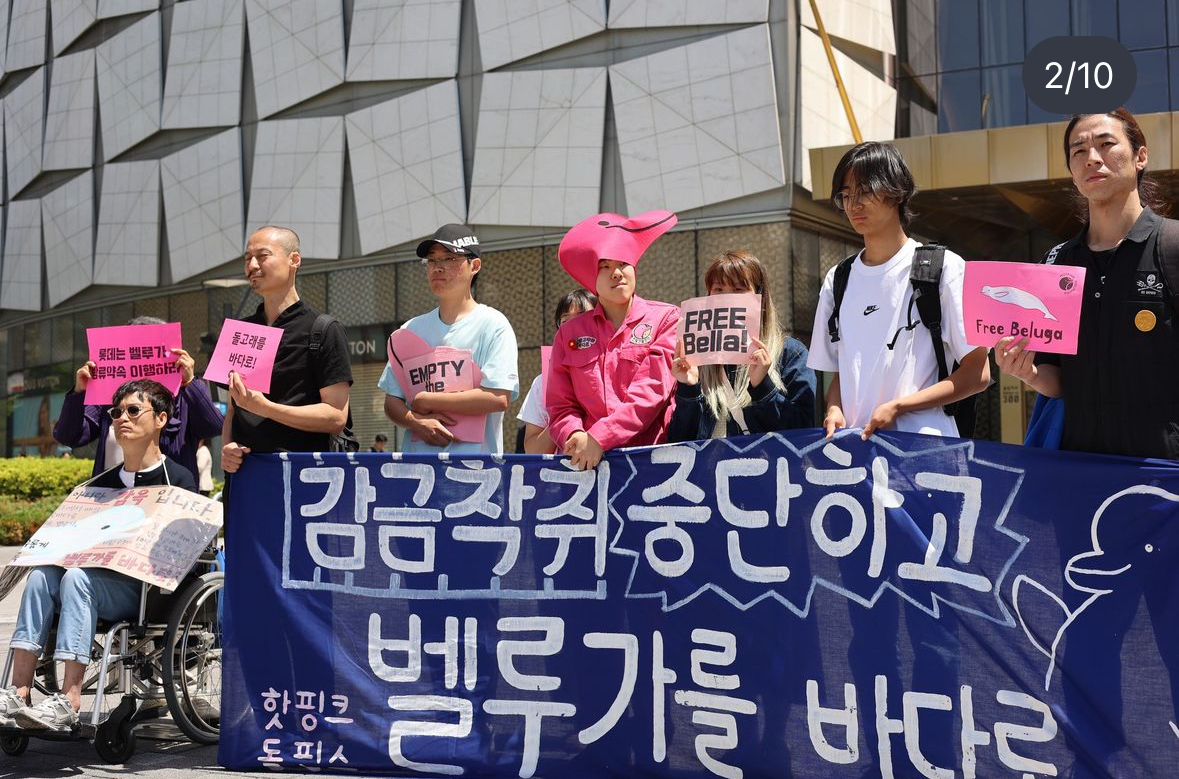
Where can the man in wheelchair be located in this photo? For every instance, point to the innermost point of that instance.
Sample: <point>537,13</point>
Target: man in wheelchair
<point>140,410</point>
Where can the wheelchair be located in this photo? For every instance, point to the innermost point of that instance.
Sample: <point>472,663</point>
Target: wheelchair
<point>167,661</point>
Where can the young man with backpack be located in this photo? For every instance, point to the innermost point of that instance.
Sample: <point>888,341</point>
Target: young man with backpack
<point>895,340</point>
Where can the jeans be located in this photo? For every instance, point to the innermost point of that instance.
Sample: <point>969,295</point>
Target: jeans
<point>84,595</point>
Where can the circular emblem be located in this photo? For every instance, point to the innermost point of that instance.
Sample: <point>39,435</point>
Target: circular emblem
<point>1145,320</point>
<point>1067,283</point>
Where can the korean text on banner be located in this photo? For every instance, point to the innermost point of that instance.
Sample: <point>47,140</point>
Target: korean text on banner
<point>719,329</point>
<point>128,352</point>
<point>1041,303</point>
<point>245,348</point>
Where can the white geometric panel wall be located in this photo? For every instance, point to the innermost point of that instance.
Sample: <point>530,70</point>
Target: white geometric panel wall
<point>407,166</point>
<point>126,247</point>
<point>67,218</point>
<point>510,31</point>
<point>71,18</point>
<point>821,116</point>
<point>23,124</point>
<point>129,86</point>
<point>298,181</point>
<point>675,13</point>
<point>202,86</point>
<point>699,124</point>
<point>108,9</point>
<point>867,22</point>
<point>403,39</point>
<point>203,204</point>
<point>21,287</point>
<point>4,8</point>
<point>69,119</point>
<point>538,153</point>
<point>297,50</point>
<point>26,35</point>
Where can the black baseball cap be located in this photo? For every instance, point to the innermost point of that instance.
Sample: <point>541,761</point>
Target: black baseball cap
<point>457,238</point>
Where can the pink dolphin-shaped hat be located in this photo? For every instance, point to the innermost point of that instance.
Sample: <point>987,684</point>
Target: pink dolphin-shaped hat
<point>610,237</point>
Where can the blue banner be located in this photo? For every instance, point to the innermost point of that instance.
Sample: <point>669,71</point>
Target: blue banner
<point>783,606</point>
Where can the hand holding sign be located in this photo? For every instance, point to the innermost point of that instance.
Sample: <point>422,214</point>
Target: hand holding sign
<point>120,354</point>
<point>246,349</point>
<point>719,329</point>
<point>682,368</point>
<point>1038,303</point>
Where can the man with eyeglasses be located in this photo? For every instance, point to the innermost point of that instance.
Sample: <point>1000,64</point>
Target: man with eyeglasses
<point>884,360</point>
<point>309,388</point>
<point>450,259</point>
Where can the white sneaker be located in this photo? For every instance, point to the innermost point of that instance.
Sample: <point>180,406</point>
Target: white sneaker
<point>10,703</point>
<point>54,713</point>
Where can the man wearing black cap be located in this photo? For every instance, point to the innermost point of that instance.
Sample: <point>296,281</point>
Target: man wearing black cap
<point>451,261</point>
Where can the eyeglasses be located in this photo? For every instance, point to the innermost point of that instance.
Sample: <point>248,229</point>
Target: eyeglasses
<point>133,411</point>
<point>446,263</point>
<point>843,201</point>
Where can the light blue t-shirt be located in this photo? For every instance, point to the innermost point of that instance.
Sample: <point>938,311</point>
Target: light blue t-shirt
<point>488,335</point>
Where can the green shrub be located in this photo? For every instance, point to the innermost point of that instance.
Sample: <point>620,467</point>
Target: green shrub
<point>19,519</point>
<point>30,478</point>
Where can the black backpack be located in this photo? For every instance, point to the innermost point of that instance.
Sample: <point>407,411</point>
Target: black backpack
<point>345,440</point>
<point>925,275</point>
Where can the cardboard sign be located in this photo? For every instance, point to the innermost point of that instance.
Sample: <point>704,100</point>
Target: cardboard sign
<point>1039,302</point>
<point>154,534</point>
<point>719,329</point>
<point>419,367</point>
<point>128,352</point>
<point>248,349</point>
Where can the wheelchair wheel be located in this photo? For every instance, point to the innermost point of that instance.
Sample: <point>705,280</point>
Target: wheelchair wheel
<point>192,659</point>
<point>115,738</point>
<point>14,745</point>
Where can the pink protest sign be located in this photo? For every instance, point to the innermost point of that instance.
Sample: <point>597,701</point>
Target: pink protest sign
<point>1039,302</point>
<point>131,352</point>
<point>248,349</point>
<point>719,329</point>
<point>418,367</point>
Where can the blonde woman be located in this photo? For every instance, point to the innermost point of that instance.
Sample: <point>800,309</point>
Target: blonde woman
<point>775,390</point>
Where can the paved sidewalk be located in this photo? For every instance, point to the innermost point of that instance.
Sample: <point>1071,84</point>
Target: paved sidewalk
<point>153,759</point>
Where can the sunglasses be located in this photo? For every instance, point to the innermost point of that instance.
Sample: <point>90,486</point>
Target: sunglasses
<point>132,410</point>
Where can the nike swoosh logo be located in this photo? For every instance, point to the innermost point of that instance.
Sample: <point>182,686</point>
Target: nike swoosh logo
<point>869,310</point>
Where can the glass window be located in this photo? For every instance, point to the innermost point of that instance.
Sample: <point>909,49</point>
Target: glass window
<point>1002,32</point>
<point>1173,22</point>
<point>921,34</point>
<point>1174,56</point>
<point>1037,115</point>
<point>1151,93</point>
<point>1047,19</point>
<point>1095,17</point>
<point>960,105</point>
<point>1142,23</point>
<point>1003,98</point>
<point>957,39</point>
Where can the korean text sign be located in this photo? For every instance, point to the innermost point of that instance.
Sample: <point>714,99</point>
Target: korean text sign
<point>128,352</point>
<point>719,329</point>
<point>245,348</point>
<point>1039,302</point>
<point>779,606</point>
<point>153,534</point>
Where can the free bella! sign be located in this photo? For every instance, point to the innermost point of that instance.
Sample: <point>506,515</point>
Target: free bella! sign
<point>1041,303</point>
<point>719,329</point>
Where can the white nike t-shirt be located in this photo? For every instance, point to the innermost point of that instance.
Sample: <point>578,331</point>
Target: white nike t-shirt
<point>876,310</point>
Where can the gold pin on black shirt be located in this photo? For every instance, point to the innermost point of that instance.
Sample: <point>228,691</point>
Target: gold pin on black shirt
<point>1145,320</point>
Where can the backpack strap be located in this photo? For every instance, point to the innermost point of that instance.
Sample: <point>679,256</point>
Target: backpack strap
<point>318,331</point>
<point>1167,251</point>
<point>926,276</point>
<point>838,288</point>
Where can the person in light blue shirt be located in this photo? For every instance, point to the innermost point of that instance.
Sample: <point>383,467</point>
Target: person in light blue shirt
<point>451,260</point>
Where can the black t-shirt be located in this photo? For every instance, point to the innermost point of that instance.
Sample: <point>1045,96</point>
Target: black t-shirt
<point>178,476</point>
<point>1120,393</point>
<point>296,381</point>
